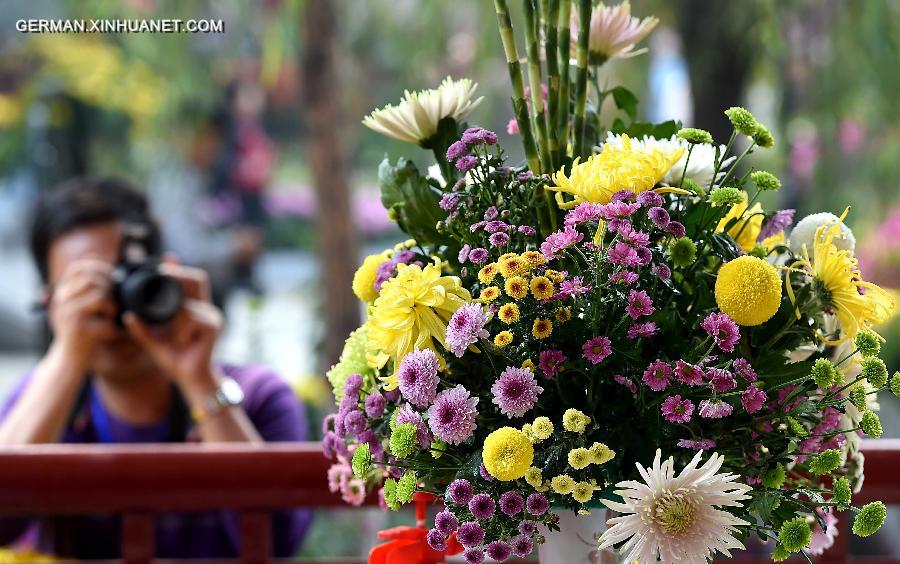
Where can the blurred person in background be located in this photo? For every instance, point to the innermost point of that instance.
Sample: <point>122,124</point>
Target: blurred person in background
<point>110,377</point>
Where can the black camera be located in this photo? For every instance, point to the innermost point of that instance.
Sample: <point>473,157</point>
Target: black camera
<point>138,284</point>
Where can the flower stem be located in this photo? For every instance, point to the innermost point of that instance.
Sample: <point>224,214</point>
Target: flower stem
<point>550,11</point>
<point>564,46</point>
<point>532,26</point>
<point>584,31</point>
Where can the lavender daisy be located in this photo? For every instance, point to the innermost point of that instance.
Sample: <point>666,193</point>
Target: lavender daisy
<point>657,375</point>
<point>418,377</point>
<point>722,329</point>
<point>715,409</point>
<point>753,399</point>
<point>639,330</point>
<point>551,361</point>
<point>466,326</point>
<point>452,417</point>
<point>597,349</point>
<point>639,304</point>
<point>677,410</point>
<point>516,391</point>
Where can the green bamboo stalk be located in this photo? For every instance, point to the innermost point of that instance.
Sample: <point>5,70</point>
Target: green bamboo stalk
<point>584,30</point>
<point>550,10</point>
<point>520,105</point>
<point>565,42</point>
<point>532,24</point>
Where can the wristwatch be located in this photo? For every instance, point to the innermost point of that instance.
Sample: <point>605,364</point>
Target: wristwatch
<point>228,394</point>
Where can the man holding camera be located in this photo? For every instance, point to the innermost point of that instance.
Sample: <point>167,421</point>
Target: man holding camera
<point>116,373</point>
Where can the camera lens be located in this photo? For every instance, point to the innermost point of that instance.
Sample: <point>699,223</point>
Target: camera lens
<point>152,296</point>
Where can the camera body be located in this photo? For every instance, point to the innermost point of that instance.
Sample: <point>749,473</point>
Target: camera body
<point>138,284</point>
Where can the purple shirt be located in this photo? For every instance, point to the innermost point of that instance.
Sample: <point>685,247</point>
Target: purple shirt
<point>272,408</point>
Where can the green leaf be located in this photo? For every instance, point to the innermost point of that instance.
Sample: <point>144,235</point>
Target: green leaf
<point>626,101</point>
<point>411,199</point>
<point>763,503</point>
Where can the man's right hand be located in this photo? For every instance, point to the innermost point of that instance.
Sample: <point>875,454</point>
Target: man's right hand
<point>81,309</point>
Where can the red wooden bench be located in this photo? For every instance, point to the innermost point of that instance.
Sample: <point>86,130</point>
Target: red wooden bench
<point>140,481</point>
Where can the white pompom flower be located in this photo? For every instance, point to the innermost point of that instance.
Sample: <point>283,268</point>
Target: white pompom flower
<point>804,233</point>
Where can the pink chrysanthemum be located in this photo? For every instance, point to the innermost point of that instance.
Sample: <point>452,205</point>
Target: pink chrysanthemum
<point>466,326</point>
<point>700,444</point>
<point>722,380</point>
<point>572,287</point>
<point>452,417</point>
<point>596,350</point>
<point>625,277</point>
<point>624,254</point>
<point>677,410</point>
<point>583,213</point>
<point>619,210</point>
<point>742,367</point>
<point>516,391</point>
<point>722,329</point>
<point>551,361</point>
<point>639,330</point>
<point>753,399</point>
<point>687,373</point>
<point>639,304</point>
<point>560,240</point>
<point>714,409</point>
<point>417,377</point>
<point>657,375</point>
<point>633,237</point>
<point>627,382</point>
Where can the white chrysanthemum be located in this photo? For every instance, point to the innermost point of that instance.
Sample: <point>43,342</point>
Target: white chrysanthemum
<point>676,518</point>
<point>804,233</point>
<point>416,117</point>
<point>614,33</point>
<point>700,167</point>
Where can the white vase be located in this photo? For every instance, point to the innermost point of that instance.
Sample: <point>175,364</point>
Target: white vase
<point>576,541</point>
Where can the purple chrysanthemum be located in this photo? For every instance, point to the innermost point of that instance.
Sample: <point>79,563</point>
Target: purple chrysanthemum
<point>618,210</point>
<point>714,409</point>
<point>650,199</point>
<point>478,255</point>
<point>779,221</point>
<point>465,163</point>
<point>473,556</point>
<point>482,506</point>
<point>375,404</point>
<point>460,491</point>
<point>742,367</point>
<point>446,522</point>
<point>466,326</point>
<point>583,213</point>
<point>470,534</point>
<point>499,550</point>
<point>722,380</point>
<point>623,196</point>
<point>449,202</point>
<point>537,504</point>
<point>436,540</point>
<point>634,237</point>
<point>463,254</point>
<point>527,230</point>
<point>676,228</point>
<point>406,414</point>
<point>352,385</point>
<point>559,240</point>
<point>627,382</point>
<point>496,226</point>
<point>722,329</point>
<point>677,410</point>
<point>522,546</point>
<point>574,286</point>
<point>687,373</point>
<point>485,475</point>
<point>639,330</point>
<point>499,239</point>
<point>661,270</point>
<point>658,216</point>
<point>418,377</point>
<point>355,422</point>
<point>456,150</point>
<point>753,399</point>
<point>625,277</point>
<point>639,304</point>
<point>516,391</point>
<point>551,361</point>
<point>491,213</point>
<point>452,416</point>
<point>528,527</point>
<point>700,444</point>
<point>657,375</point>
<point>624,254</point>
<point>596,350</point>
<point>511,503</point>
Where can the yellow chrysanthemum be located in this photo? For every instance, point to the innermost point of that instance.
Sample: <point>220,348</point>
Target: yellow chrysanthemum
<point>583,492</point>
<point>411,312</point>
<point>528,363</point>
<point>509,313</point>
<point>542,288</point>
<point>575,420</point>
<point>554,275</point>
<point>503,338</point>
<point>562,484</point>
<point>601,454</point>
<point>614,168</point>
<point>748,289</point>
<point>507,454</point>
<point>856,303</point>
<point>745,230</point>
<point>542,428</point>
<point>487,273</point>
<point>505,256</point>
<point>563,314</point>
<point>773,241</point>
<point>534,258</point>
<point>542,328</point>
<point>516,287</point>
<point>579,458</point>
<point>512,265</point>
<point>489,294</point>
<point>364,278</point>
<point>534,477</point>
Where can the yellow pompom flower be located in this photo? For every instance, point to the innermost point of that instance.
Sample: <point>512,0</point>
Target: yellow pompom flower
<point>575,421</point>
<point>579,458</point>
<point>748,289</point>
<point>503,338</point>
<point>411,312</point>
<point>541,328</point>
<point>534,258</point>
<point>516,287</point>
<point>583,492</point>
<point>507,454</point>
<point>542,428</point>
<point>487,273</point>
<point>563,314</point>
<point>856,303</point>
<point>614,168</point>
<point>562,484</point>
<point>534,477</point>
<point>489,294</point>
<point>509,313</point>
<point>512,265</point>
<point>601,454</point>
<point>364,278</point>
<point>745,230</point>
<point>542,288</point>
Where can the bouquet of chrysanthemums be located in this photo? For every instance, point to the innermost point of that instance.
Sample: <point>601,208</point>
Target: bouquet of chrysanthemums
<point>615,323</point>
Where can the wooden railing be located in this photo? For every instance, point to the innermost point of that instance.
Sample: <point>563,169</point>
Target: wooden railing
<point>141,481</point>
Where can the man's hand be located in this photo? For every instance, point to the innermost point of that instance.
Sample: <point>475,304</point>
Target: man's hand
<point>183,348</point>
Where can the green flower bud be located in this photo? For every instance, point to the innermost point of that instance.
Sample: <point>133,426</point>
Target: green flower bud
<point>438,448</point>
<point>874,370</point>
<point>857,397</point>
<point>825,462</point>
<point>773,478</point>
<point>895,383</point>
<point>780,554</point>
<point>725,196</point>
<point>403,440</point>
<point>390,494</point>
<point>797,427</point>
<point>794,534</point>
<point>692,186</point>
<point>841,493</point>
<point>362,460</point>
<point>695,136</point>
<point>867,342</point>
<point>869,519</point>
<point>683,252</point>
<point>742,120</point>
<point>765,180</point>
<point>763,137</point>
<point>823,372</point>
<point>759,252</point>
<point>406,487</point>
<point>871,425</point>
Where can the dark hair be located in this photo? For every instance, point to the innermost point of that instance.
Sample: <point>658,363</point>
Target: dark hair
<point>83,202</point>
